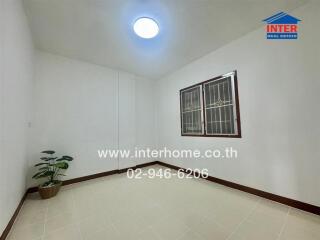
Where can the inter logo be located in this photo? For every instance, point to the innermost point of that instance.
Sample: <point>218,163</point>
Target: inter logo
<point>282,26</point>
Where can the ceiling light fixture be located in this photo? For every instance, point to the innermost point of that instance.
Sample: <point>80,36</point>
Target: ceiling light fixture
<point>146,27</point>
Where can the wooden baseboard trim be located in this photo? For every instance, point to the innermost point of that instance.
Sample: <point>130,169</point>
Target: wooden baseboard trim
<point>280,199</point>
<point>97,175</point>
<point>143,165</point>
<point>6,231</point>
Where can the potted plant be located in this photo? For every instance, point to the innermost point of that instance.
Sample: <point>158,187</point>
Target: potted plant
<point>50,168</point>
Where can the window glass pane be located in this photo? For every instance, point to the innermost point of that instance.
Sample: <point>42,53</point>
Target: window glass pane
<point>192,122</point>
<point>210,116</point>
<point>191,99</point>
<point>219,107</point>
<point>216,122</point>
<point>191,114</point>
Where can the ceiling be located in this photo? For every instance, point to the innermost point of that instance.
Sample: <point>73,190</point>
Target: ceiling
<point>100,31</point>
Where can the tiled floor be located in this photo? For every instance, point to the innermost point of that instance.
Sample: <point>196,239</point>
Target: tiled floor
<point>116,207</point>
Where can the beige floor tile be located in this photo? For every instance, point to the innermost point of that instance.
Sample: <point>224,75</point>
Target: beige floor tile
<point>148,234</point>
<point>301,225</point>
<point>11,238</point>
<point>191,236</point>
<point>254,231</point>
<point>170,228</point>
<point>154,214</point>
<point>60,207</point>
<point>85,207</point>
<point>60,221</point>
<point>107,233</point>
<point>67,233</point>
<point>35,216</point>
<point>229,216</point>
<point>266,221</point>
<point>268,207</point>
<point>210,229</point>
<point>92,224</point>
<point>298,218</point>
<point>292,233</point>
<point>129,223</point>
<point>117,208</point>
<point>187,216</point>
<point>31,208</point>
<point>29,232</point>
<point>61,204</point>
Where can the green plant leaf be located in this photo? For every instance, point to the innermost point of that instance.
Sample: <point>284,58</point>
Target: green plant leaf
<point>65,158</point>
<point>48,152</point>
<point>45,174</point>
<point>48,158</point>
<point>61,165</point>
<point>68,158</point>
<point>39,164</point>
<point>38,174</point>
<point>43,168</point>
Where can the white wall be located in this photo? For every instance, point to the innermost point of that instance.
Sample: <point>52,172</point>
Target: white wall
<point>146,131</point>
<point>278,90</point>
<point>80,108</point>
<point>16,73</point>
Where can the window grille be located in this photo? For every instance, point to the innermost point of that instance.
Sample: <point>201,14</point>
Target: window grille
<point>211,108</point>
<point>191,115</point>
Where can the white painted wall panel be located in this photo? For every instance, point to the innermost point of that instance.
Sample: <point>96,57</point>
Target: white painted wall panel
<point>75,112</point>
<point>278,89</point>
<point>127,117</point>
<point>146,131</point>
<point>16,74</point>
<point>80,108</point>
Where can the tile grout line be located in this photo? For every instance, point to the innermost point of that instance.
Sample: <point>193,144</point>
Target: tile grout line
<point>284,223</point>
<point>244,219</point>
<point>109,220</point>
<point>156,232</point>
<point>74,206</point>
<point>54,216</point>
<point>45,221</point>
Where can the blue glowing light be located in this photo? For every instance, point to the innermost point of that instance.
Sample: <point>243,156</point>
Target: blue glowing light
<point>146,27</point>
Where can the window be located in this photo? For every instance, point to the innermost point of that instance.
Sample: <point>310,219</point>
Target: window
<point>191,112</point>
<point>211,108</point>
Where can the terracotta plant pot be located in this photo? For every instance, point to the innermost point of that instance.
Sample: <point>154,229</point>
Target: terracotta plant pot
<point>49,192</point>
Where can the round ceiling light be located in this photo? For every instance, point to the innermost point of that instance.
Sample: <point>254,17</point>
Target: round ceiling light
<point>146,27</point>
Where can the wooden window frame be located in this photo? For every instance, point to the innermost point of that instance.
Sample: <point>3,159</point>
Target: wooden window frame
<point>237,108</point>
